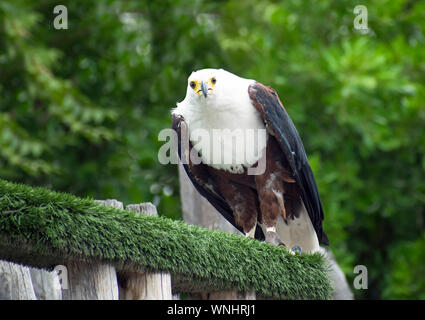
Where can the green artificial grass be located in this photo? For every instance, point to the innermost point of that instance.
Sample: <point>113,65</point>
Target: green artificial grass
<point>42,228</point>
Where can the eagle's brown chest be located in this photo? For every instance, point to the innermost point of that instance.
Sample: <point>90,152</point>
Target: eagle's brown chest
<point>241,179</point>
<point>275,166</point>
<point>273,190</point>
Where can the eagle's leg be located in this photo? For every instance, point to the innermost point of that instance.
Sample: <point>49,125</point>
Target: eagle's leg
<point>271,190</point>
<point>270,195</point>
<point>272,237</point>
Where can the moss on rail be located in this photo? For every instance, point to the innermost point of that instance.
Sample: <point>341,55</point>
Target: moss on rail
<point>42,228</point>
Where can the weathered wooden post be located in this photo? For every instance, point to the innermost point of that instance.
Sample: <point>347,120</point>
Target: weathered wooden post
<point>46,284</point>
<point>144,286</point>
<point>92,281</point>
<point>15,282</point>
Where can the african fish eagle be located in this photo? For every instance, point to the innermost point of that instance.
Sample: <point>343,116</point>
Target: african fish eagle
<point>280,203</point>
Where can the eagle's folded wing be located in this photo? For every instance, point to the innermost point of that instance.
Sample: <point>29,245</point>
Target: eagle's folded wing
<point>279,125</point>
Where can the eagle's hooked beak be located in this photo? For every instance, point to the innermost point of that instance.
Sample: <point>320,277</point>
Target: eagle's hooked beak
<point>204,88</point>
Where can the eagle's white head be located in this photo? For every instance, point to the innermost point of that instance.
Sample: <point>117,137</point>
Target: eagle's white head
<point>215,88</point>
<point>217,103</point>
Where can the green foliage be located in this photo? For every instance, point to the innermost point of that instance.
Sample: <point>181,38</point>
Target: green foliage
<point>80,109</point>
<point>405,279</point>
<point>44,228</point>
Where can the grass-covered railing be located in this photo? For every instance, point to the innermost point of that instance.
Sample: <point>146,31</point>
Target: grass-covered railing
<point>42,228</point>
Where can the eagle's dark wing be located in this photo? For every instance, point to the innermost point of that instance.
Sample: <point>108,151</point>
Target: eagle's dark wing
<point>280,125</point>
<point>199,175</point>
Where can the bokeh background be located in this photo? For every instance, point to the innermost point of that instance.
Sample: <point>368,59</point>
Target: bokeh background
<point>80,109</point>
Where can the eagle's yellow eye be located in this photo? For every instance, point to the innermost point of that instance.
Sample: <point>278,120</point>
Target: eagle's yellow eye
<point>213,80</point>
<point>192,84</point>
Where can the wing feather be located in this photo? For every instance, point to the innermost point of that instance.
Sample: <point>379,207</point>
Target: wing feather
<point>280,125</point>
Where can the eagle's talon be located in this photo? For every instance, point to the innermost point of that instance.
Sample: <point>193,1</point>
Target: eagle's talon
<point>296,249</point>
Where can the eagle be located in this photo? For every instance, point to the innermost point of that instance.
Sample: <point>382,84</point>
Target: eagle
<point>242,152</point>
